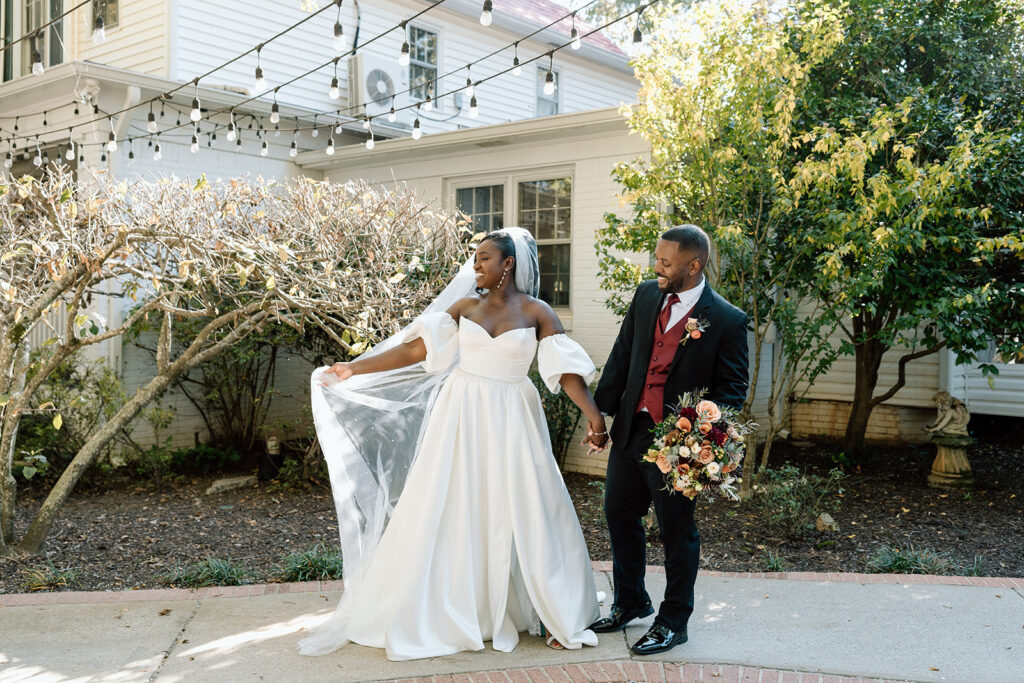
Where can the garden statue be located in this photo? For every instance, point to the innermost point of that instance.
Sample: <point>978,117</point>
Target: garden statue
<point>949,433</point>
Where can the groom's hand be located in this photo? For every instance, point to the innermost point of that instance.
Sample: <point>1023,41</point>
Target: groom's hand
<point>597,437</point>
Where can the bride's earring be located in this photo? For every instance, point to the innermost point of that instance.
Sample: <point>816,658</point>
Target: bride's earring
<point>502,278</point>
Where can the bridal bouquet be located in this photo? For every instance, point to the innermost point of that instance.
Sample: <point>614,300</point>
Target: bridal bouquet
<point>699,448</point>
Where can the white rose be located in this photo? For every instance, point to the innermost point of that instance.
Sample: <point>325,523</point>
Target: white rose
<point>713,468</point>
<point>695,449</point>
<point>697,486</point>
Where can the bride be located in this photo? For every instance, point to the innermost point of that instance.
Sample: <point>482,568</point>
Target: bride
<point>483,542</point>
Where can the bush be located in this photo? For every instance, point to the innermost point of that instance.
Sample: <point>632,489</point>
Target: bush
<point>790,500</point>
<point>316,564</point>
<point>210,572</point>
<point>203,459</point>
<point>562,416</point>
<point>907,560</point>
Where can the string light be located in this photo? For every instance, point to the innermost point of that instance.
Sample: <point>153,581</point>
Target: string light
<point>339,31</point>
<point>260,82</point>
<point>366,124</point>
<point>428,103</point>
<point>275,111</point>
<point>516,69</point>
<point>417,132</point>
<point>157,156</point>
<point>231,126</point>
<point>99,34</point>
<point>264,151</point>
<point>37,160</point>
<point>195,114</point>
<point>37,59</point>
<point>8,160</point>
<point>474,111</point>
<point>151,121</point>
<point>403,56</point>
<point>575,35</point>
<point>316,131</point>
<point>294,151</point>
<point>111,142</point>
<point>369,139</point>
<point>638,37</point>
<point>194,147</point>
<point>549,80</point>
<point>330,146</point>
<point>485,15</point>
<point>70,154</point>
<point>470,88</point>
<point>335,92</point>
<point>391,114</point>
<point>131,151</point>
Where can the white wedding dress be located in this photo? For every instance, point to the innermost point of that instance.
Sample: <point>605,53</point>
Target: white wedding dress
<point>483,542</point>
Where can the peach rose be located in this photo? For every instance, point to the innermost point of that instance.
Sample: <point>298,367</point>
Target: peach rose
<point>706,455</point>
<point>690,493</point>
<point>695,334</point>
<point>727,468</point>
<point>709,411</point>
<point>692,324</point>
<point>683,468</point>
<point>663,464</point>
<point>683,424</point>
<point>704,427</point>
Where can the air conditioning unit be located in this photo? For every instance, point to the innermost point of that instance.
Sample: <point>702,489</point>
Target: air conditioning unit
<point>375,84</point>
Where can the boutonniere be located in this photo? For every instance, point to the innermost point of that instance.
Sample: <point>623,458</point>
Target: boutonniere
<point>695,327</point>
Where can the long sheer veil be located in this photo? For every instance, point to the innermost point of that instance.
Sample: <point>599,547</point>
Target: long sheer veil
<point>369,429</point>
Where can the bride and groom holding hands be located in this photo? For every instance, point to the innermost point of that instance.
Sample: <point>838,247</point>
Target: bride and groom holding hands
<point>455,524</point>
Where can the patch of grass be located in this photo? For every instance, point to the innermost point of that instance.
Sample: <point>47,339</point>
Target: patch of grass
<point>48,577</point>
<point>974,568</point>
<point>788,500</point>
<point>209,572</point>
<point>908,560</point>
<point>316,564</point>
<point>824,545</point>
<point>771,562</point>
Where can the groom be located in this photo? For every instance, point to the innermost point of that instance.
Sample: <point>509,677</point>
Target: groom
<point>647,370</point>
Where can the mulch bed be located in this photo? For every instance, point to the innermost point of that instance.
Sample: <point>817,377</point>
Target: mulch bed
<point>132,537</point>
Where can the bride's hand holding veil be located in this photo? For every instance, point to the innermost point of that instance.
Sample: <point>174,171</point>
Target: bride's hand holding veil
<point>399,356</point>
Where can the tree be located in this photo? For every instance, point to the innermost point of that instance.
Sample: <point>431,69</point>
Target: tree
<point>911,187</point>
<point>349,260</point>
<point>602,12</point>
<point>716,106</point>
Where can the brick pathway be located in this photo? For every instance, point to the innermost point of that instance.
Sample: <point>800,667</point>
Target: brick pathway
<point>625,671</point>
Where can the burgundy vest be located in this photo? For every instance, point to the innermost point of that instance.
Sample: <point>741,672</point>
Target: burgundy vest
<point>664,350</point>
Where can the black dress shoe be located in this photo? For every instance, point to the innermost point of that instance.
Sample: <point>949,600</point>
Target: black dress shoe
<point>659,639</point>
<point>618,618</point>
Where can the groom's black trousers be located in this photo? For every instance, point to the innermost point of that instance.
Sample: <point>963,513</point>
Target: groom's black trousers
<point>629,490</point>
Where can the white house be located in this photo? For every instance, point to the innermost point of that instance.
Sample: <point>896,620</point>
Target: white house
<point>529,158</point>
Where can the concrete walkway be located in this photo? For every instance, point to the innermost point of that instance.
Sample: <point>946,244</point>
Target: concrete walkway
<point>747,627</point>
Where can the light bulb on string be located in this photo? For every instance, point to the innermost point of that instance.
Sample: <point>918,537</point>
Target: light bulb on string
<point>417,132</point>
<point>574,35</point>
<point>111,142</point>
<point>44,119</point>
<point>316,131</point>
<point>391,114</point>
<point>335,91</point>
<point>339,31</point>
<point>151,122</point>
<point>369,139</point>
<point>294,151</point>
<point>277,131</point>
<point>196,113</point>
<point>46,157</point>
<point>70,154</point>
<point>231,127</point>
<point>470,88</point>
<point>264,150</point>
<point>516,69</point>
<point>428,103</point>
<point>330,146</point>
<point>366,124</point>
<point>157,155</point>
<point>549,79</point>
<point>403,56</point>
<point>485,15</point>
<point>37,160</point>
<point>99,33</point>
<point>8,160</point>
<point>131,151</point>
<point>37,63</point>
<point>260,83</point>
<point>275,111</point>
<point>103,158</point>
<point>213,139</point>
<point>638,37</point>
<point>474,110</point>
<point>238,140</point>
<point>194,147</point>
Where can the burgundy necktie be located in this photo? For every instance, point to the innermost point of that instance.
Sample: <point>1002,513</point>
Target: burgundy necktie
<point>666,312</point>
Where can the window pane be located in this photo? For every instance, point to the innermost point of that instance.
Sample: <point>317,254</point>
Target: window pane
<point>554,273</point>
<point>484,204</point>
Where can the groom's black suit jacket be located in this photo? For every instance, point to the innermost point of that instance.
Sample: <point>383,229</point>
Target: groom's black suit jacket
<point>716,362</point>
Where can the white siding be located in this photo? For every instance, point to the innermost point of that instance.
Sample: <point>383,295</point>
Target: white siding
<point>1005,396</point>
<point>209,33</point>
<point>139,42</point>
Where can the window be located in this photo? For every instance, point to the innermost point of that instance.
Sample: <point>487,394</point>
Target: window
<point>26,18</point>
<point>546,104</point>
<point>422,62</point>
<point>486,205</point>
<point>545,209</point>
<point>108,10</point>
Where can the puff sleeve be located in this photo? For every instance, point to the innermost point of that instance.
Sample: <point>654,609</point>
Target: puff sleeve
<point>559,355</point>
<point>439,333</point>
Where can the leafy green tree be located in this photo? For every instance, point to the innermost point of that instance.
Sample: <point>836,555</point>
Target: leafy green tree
<point>911,186</point>
<point>719,86</point>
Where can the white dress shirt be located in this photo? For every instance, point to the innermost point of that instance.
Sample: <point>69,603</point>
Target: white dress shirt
<point>687,300</point>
